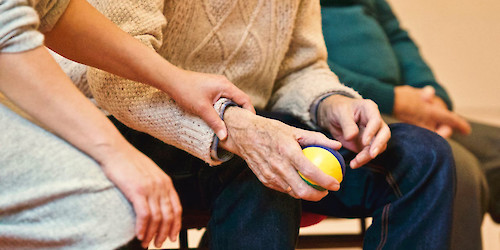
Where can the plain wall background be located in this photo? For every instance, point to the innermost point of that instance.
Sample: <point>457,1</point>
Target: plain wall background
<point>461,42</point>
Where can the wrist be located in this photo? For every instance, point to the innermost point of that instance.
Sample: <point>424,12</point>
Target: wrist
<point>106,150</point>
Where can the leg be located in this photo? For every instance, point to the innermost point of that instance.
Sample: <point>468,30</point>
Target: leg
<point>54,196</point>
<point>471,200</point>
<point>408,190</point>
<point>248,215</point>
<point>244,213</point>
<point>484,143</point>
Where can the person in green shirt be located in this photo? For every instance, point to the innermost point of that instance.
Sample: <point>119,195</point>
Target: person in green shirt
<point>370,52</point>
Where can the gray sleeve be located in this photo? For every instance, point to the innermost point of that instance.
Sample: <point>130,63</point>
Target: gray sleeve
<point>18,26</point>
<point>22,22</point>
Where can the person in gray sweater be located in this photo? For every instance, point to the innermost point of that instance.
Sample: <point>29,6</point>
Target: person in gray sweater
<point>71,181</point>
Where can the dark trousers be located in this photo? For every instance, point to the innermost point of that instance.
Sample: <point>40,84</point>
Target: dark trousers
<point>408,190</point>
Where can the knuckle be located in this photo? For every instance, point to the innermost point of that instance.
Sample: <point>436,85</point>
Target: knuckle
<point>142,189</point>
<point>156,216</point>
<point>143,215</point>
<point>178,212</point>
<point>168,219</point>
<point>301,193</point>
<point>268,176</point>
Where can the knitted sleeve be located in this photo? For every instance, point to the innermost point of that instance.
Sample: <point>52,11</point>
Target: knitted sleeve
<point>414,69</point>
<point>141,106</point>
<point>369,87</point>
<point>20,25</point>
<point>304,74</point>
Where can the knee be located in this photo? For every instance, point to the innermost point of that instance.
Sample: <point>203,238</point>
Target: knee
<point>423,150</point>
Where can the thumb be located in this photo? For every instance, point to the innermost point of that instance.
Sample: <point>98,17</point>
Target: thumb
<point>211,117</point>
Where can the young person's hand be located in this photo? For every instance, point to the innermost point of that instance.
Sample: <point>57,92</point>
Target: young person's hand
<point>197,93</point>
<point>357,124</point>
<point>57,104</point>
<point>156,204</point>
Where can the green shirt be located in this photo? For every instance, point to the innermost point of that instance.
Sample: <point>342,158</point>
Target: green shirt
<point>371,53</point>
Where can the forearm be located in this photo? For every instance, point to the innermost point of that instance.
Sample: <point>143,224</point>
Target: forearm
<point>369,87</point>
<point>35,83</point>
<point>84,35</point>
<point>304,74</point>
<point>415,71</point>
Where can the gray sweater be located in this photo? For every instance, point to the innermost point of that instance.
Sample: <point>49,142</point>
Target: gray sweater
<point>22,22</point>
<point>52,196</point>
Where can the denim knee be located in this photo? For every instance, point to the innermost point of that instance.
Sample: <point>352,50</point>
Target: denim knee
<point>427,154</point>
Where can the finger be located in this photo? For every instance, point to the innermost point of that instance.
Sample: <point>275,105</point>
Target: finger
<point>155,221</point>
<point>444,131</point>
<point>299,189</point>
<point>313,173</point>
<point>361,158</point>
<point>239,97</point>
<point>453,120</point>
<point>372,128</point>
<point>379,143</point>
<point>166,223</point>
<point>213,120</point>
<point>306,138</point>
<point>349,127</point>
<point>462,125</point>
<point>142,214</point>
<point>177,214</point>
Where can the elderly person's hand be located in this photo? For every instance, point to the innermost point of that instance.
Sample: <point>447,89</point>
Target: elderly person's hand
<point>273,152</point>
<point>357,124</point>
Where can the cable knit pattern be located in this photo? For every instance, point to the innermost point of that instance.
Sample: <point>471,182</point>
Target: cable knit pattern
<point>271,49</point>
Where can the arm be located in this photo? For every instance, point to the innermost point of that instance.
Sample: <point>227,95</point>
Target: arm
<point>369,87</point>
<point>86,36</point>
<point>304,74</point>
<point>30,78</point>
<point>305,77</point>
<point>145,108</point>
<point>429,108</point>
<point>418,106</point>
<point>415,70</point>
<point>53,100</point>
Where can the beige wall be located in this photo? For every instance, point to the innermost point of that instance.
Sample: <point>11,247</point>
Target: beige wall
<point>461,41</point>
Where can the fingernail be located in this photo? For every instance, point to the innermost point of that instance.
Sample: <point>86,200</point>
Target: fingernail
<point>375,152</point>
<point>366,140</point>
<point>221,134</point>
<point>352,164</point>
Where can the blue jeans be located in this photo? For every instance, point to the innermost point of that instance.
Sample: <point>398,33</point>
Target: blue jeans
<point>408,190</point>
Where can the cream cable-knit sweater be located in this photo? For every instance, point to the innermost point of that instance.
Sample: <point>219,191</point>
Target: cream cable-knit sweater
<point>271,49</point>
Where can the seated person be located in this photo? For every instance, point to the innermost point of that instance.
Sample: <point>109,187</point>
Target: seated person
<point>274,51</point>
<point>376,57</point>
<point>74,191</point>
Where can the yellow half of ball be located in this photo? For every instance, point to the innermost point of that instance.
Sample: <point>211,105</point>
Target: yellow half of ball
<point>325,161</point>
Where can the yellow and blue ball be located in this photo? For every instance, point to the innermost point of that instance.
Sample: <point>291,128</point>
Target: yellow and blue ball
<point>328,160</point>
